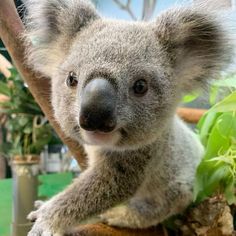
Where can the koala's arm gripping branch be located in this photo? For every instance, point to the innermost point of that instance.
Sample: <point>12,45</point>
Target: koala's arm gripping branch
<point>11,29</point>
<point>96,190</point>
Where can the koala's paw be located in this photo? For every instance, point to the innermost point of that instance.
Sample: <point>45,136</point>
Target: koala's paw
<point>44,224</point>
<point>38,204</point>
<point>40,228</point>
<point>118,216</point>
<point>33,215</point>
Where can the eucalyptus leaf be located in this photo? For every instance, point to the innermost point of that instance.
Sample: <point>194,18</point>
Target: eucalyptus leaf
<point>205,125</point>
<point>222,159</point>
<point>226,125</point>
<point>213,94</point>
<point>227,104</point>
<point>216,142</point>
<point>217,131</point>
<point>209,178</point>
<point>230,191</point>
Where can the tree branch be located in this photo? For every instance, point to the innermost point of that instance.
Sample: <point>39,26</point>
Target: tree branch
<point>126,7</point>
<point>105,230</point>
<point>11,29</point>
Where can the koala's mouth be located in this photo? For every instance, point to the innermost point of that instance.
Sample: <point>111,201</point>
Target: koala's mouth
<point>100,138</point>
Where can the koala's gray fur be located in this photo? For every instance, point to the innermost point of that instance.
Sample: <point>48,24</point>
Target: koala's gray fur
<point>144,171</point>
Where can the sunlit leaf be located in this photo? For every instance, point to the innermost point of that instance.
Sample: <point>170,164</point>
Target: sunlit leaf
<point>205,125</point>
<point>216,142</point>
<point>213,94</point>
<point>227,104</point>
<point>222,159</point>
<point>227,125</point>
<point>228,82</point>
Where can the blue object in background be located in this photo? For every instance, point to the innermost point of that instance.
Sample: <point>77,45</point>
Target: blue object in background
<point>111,10</point>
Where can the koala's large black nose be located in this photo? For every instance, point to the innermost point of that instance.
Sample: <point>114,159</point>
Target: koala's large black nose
<point>98,106</point>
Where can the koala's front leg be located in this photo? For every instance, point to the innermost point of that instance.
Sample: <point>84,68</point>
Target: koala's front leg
<point>142,211</point>
<point>128,216</point>
<point>96,190</point>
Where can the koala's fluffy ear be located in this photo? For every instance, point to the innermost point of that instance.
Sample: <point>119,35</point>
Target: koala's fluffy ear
<point>196,42</point>
<point>51,27</point>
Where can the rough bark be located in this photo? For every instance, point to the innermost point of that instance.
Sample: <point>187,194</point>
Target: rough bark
<point>105,230</point>
<point>212,217</point>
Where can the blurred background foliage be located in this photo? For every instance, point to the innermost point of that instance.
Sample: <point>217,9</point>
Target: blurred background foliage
<point>24,126</point>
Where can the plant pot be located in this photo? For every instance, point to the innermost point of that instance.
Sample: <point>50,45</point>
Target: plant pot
<point>25,183</point>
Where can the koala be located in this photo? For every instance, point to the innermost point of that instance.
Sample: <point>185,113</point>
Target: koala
<point>115,89</point>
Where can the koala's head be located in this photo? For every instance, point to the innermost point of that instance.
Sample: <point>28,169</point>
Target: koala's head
<point>115,83</point>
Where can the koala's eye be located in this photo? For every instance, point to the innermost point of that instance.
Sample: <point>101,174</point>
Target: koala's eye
<point>140,87</point>
<point>71,80</point>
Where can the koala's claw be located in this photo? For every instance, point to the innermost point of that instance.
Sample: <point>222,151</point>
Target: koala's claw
<point>115,217</point>
<point>40,228</point>
<point>38,231</point>
<point>43,225</point>
<point>33,216</point>
<point>38,204</point>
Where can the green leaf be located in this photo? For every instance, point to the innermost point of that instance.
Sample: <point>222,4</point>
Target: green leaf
<point>14,73</point>
<point>23,120</point>
<point>205,125</point>
<point>17,140</point>
<point>210,177</point>
<point>227,104</point>
<point>213,94</point>
<point>228,82</point>
<point>28,129</point>
<point>4,89</point>
<point>230,192</point>
<point>226,125</point>
<point>6,104</point>
<point>224,159</point>
<point>190,97</point>
<point>216,142</point>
